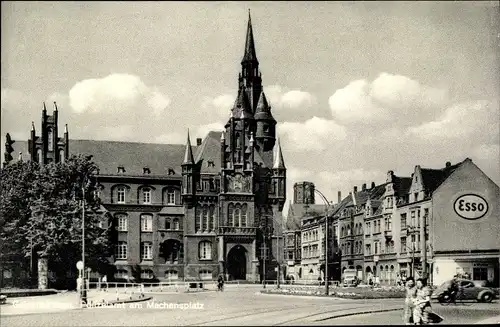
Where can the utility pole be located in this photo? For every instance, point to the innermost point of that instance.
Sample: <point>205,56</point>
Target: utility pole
<point>264,257</point>
<point>423,232</point>
<point>327,291</point>
<point>278,260</point>
<point>84,291</point>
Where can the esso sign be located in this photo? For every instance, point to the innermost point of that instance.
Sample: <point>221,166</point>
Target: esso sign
<point>471,206</point>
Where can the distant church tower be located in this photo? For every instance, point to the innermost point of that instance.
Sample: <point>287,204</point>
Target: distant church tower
<point>49,147</point>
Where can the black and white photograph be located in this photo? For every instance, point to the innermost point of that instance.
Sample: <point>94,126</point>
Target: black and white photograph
<point>242,163</point>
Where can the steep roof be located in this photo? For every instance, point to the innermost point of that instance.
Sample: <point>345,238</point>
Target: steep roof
<point>432,178</point>
<point>108,155</point>
<point>249,54</point>
<point>210,151</point>
<point>402,185</point>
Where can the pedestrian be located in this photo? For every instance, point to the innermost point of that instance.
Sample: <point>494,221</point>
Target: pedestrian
<point>398,280</point>
<point>411,294</point>
<point>422,311</point>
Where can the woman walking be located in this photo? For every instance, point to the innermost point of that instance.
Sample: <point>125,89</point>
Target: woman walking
<point>411,293</point>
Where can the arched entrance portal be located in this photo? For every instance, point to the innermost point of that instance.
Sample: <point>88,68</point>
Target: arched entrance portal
<point>237,263</point>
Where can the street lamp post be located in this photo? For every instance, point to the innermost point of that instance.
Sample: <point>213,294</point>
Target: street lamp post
<point>327,203</point>
<point>84,291</point>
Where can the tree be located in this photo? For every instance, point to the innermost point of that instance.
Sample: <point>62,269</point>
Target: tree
<point>15,183</point>
<point>46,212</point>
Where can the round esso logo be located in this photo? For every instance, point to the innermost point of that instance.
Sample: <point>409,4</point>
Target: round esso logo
<point>471,206</point>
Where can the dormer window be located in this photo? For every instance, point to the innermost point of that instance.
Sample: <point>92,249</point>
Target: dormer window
<point>171,171</point>
<point>121,170</point>
<point>210,163</point>
<point>146,170</point>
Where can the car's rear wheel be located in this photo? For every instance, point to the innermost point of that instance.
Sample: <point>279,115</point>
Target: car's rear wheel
<point>487,297</point>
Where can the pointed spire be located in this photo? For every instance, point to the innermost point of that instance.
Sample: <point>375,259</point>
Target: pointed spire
<point>278,161</point>
<point>263,110</point>
<point>55,106</point>
<point>32,126</point>
<point>65,128</point>
<point>44,108</point>
<point>188,155</point>
<point>249,54</point>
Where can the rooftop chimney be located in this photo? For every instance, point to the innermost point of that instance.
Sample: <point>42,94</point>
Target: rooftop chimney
<point>363,187</point>
<point>373,184</point>
<point>355,189</point>
<point>448,164</point>
<point>339,196</point>
<point>198,141</point>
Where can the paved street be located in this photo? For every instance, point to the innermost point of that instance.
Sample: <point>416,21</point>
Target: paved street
<point>460,314</point>
<point>235,306</point>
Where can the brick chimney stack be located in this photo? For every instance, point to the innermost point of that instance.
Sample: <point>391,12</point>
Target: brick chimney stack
<point>339,196</point>
<point>198,141</point>
<point>373,184</point>
<point>355,189</point>
<point>363,187</point>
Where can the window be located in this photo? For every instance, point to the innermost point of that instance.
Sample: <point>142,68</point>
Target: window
<point>168,225</point>
<point>176,224</point>
<point>230,210</point>
<point>39,156</point>
<point>376,245</point>
<point>122,223</point>
<point>212,218</point>
<point>415,196</point>
<point>170,197</point>
<point>147,274</point>
<point>480,273</point>
<point>368,249</point>
<point>206,185</point>
<point>146,196</point>
<point>146,251</point>
<point>171,275</point>
<point>205,250</point>
<point>368,228</point>
<point>199,216</point>
<point>403,245</point>
<point>403,221</point>
<point>205,274</point>
<point>146,223</point>
<point>388,224</point>
<point>50,137</point>
<point>146,171</point>
<point>290,255</point>
<point>243,217</point>
<point>204,219</point>
<point>120,194</point>
<point>121,250</point>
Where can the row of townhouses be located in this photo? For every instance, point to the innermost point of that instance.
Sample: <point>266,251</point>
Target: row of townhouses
<point>446,218</point>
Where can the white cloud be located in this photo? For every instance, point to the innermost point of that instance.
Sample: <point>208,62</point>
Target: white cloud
<point>279,97</point>
<point>353,103</point>
<point>116,93</point>
<point>315,134</point>
<point>388,97</point>
<point>220,106</point>
<point>473,119</point>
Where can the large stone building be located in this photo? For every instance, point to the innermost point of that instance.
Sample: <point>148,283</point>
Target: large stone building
<point>188,211</point>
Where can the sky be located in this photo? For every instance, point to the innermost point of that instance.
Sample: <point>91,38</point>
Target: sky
<point>357,88</point>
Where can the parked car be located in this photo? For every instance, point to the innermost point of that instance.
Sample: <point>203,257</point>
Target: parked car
<point>3,299</point>
<point>469,290</point>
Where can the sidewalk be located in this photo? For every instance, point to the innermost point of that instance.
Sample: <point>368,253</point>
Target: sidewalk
<point>65,301</point>
<point>490,321</point>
